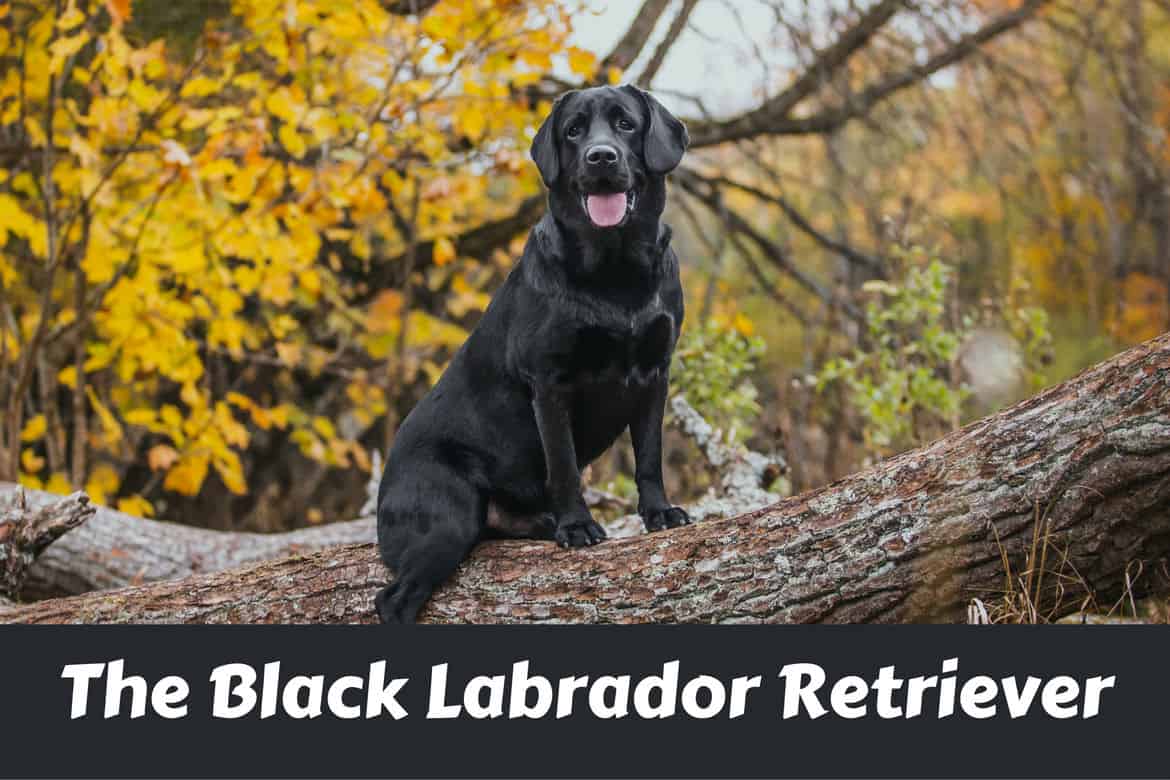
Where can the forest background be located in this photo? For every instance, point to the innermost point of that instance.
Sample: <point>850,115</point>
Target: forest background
<point>241,239</point>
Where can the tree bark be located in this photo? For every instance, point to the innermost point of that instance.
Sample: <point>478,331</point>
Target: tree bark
<point>114,550</point>
<point>914,538</point>
<point>26,529</point>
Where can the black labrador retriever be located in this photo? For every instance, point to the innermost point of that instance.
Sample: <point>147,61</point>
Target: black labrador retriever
<point>573,349</point>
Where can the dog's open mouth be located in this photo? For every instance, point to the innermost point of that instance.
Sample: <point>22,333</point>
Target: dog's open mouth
<point>609,209</point>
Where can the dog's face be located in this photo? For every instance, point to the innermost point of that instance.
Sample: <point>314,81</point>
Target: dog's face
<point>604,154</point>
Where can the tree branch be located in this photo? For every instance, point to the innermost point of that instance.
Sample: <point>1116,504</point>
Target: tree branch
<point>26,530</point>
<point>794,216</point>
<point>677,25</point>
<point>630,46</point>
<point>819,73</point>
<point>831,119</point>
<point>407,7</point>
<point>478,241</point>
<point>695,186</point>
<point>776,117</point>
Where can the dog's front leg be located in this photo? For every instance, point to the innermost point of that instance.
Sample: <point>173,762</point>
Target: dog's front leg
<point>646,433</point>
<point>574,525</point>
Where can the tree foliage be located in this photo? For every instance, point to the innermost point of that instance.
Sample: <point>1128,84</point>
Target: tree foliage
<point>187,237</point>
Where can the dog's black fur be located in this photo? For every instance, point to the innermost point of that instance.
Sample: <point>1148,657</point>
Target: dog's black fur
<point>574,348</point>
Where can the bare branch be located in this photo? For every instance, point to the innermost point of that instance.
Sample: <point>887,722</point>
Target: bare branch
<point>407,7</point>
<point>25,532</point>
<point>774,253</point>
<point>637,34</point>
<point>677,25</point>
<point>822,69</point>
<point>872,264</point>
<point>770,120</point>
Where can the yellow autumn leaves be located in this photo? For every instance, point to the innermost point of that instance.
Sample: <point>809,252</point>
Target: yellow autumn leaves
<point>208,226</point>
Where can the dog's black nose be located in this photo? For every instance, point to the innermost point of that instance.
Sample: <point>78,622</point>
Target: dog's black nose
<point>601,155</point>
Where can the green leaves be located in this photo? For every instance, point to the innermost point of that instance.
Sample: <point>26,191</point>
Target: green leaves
<point>905,376</point>
<point>712,368</point>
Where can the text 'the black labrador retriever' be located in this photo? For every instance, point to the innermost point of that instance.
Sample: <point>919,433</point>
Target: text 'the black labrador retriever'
<point>573,349</point>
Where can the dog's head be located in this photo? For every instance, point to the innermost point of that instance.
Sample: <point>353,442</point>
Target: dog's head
<point>604,154</point>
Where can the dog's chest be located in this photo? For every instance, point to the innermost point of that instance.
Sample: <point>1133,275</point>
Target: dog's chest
<point>628,348</point>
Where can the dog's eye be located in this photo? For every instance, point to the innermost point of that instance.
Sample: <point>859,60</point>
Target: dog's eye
<point>573,132</point>
<point>625,125</point>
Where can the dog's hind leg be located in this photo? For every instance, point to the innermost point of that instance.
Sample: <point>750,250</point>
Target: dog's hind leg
<point>504,524</point>
<point>428,520</point>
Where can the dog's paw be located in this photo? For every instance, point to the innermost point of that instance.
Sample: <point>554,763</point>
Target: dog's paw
<point>578,530</point>
<point>670,517</point>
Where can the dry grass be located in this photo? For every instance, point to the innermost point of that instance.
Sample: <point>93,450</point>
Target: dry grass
<point>1048,586</point>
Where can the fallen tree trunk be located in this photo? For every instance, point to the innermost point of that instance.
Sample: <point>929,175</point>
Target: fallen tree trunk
<point>113,549</point>
<point>1078,476</point>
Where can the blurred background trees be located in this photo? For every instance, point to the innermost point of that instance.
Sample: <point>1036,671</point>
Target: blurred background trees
<point>240,239</point>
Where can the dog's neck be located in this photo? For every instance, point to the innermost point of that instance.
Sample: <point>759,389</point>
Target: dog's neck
<point>623,264</point>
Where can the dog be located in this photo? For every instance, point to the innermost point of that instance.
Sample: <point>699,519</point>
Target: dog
<point>573,349</point>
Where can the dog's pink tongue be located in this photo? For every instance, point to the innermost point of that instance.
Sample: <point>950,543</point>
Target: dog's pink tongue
<point>606,210</point>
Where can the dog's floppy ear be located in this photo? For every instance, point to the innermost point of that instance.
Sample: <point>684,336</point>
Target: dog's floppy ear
<point>544,146</point>
<point>666,137</point>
